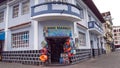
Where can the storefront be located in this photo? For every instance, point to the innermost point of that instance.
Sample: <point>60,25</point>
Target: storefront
<point>59,42</point>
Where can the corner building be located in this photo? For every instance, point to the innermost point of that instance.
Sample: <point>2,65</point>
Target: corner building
<point>26,26</point>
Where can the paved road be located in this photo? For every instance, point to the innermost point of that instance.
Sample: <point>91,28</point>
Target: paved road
<point>111,60</point>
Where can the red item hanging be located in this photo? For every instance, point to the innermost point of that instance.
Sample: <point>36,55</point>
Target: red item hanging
<point>68,43</point>
<point>70,54</point>
<point>69,49</point>
<point>44,51</point>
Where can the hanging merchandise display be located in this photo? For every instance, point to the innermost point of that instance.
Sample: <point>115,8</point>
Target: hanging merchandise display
<point>44,52</point>
<point>73,51</point>
<point>44,43</point>
<point>69,49</point>
<point>64,59</point>
<point>68,42</point>
<point>68,52</point>
<point>43,58</point>
<point>45,31</point>
<point>76,43</point>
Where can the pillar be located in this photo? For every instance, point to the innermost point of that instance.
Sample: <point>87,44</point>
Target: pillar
<point>6,28</point>
<point>35,31</point>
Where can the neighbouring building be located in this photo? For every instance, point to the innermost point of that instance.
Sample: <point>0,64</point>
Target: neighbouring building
<point>108,32</point>
<point>116,35</point>
<point>27,26</point>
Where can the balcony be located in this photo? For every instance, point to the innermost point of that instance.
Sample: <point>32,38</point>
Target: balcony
<point>55,10</point>
<point>95,28</point>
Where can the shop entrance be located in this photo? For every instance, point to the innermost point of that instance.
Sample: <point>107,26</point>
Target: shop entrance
<point>55,45</point>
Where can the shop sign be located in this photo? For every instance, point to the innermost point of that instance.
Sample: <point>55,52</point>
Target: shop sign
<point>57,31</point>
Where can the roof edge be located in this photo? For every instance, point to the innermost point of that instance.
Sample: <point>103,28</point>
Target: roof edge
<point>94,9</point>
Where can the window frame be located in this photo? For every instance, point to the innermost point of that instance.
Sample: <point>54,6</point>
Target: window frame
<point>17,12</point>
<point>116,42</point>
<point>81,40</point>
<point>81,11</point>
<point>2,17</point>
<point>89,17</point>
<point>115,30</point>
<point>23,7</point>
<point>20,39</point>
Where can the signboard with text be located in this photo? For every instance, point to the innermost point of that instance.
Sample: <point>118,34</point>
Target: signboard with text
<point>57,31</point>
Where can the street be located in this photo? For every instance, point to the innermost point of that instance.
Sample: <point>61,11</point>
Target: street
<point>111,60</point>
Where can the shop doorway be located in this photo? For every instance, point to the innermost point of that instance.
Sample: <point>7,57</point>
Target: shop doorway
<point>55,45</point>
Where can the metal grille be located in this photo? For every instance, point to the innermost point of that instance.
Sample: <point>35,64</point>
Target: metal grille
<point>20,39</point>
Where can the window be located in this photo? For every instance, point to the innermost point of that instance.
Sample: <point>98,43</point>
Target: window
<point>90,18</point>
<point>115,34</point>
<point>119,30</point>
<point>15,11</point>
<point>116,42</point>
<point>20,39</point>
<point>115,38</point>
<point>81,11</point>
<point>1,16</point>
<point>25,7</point>
<point>119,34</point>
<point>82,39</point>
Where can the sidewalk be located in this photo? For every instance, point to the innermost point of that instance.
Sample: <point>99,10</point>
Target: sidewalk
<point>111,60</point>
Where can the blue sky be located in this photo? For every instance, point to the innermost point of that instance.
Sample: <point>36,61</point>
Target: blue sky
<point>112,6</point>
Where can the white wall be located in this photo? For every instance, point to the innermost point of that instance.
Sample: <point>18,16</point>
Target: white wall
<point>31,35</point>
<point>94,37</point>
<point>2,24</point>
<point>21,18</point>
<point>84,30</point>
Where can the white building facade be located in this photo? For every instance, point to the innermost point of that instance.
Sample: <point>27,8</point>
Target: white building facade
<point>27,26</point>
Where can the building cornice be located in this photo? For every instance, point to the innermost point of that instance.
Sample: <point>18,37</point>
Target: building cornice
<point>20,25</point>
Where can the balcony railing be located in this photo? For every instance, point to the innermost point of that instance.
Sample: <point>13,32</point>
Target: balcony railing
<point>95,26</point>
<point>55,7</point>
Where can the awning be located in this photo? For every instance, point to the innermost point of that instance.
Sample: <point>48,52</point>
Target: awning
<point>2,35</point>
